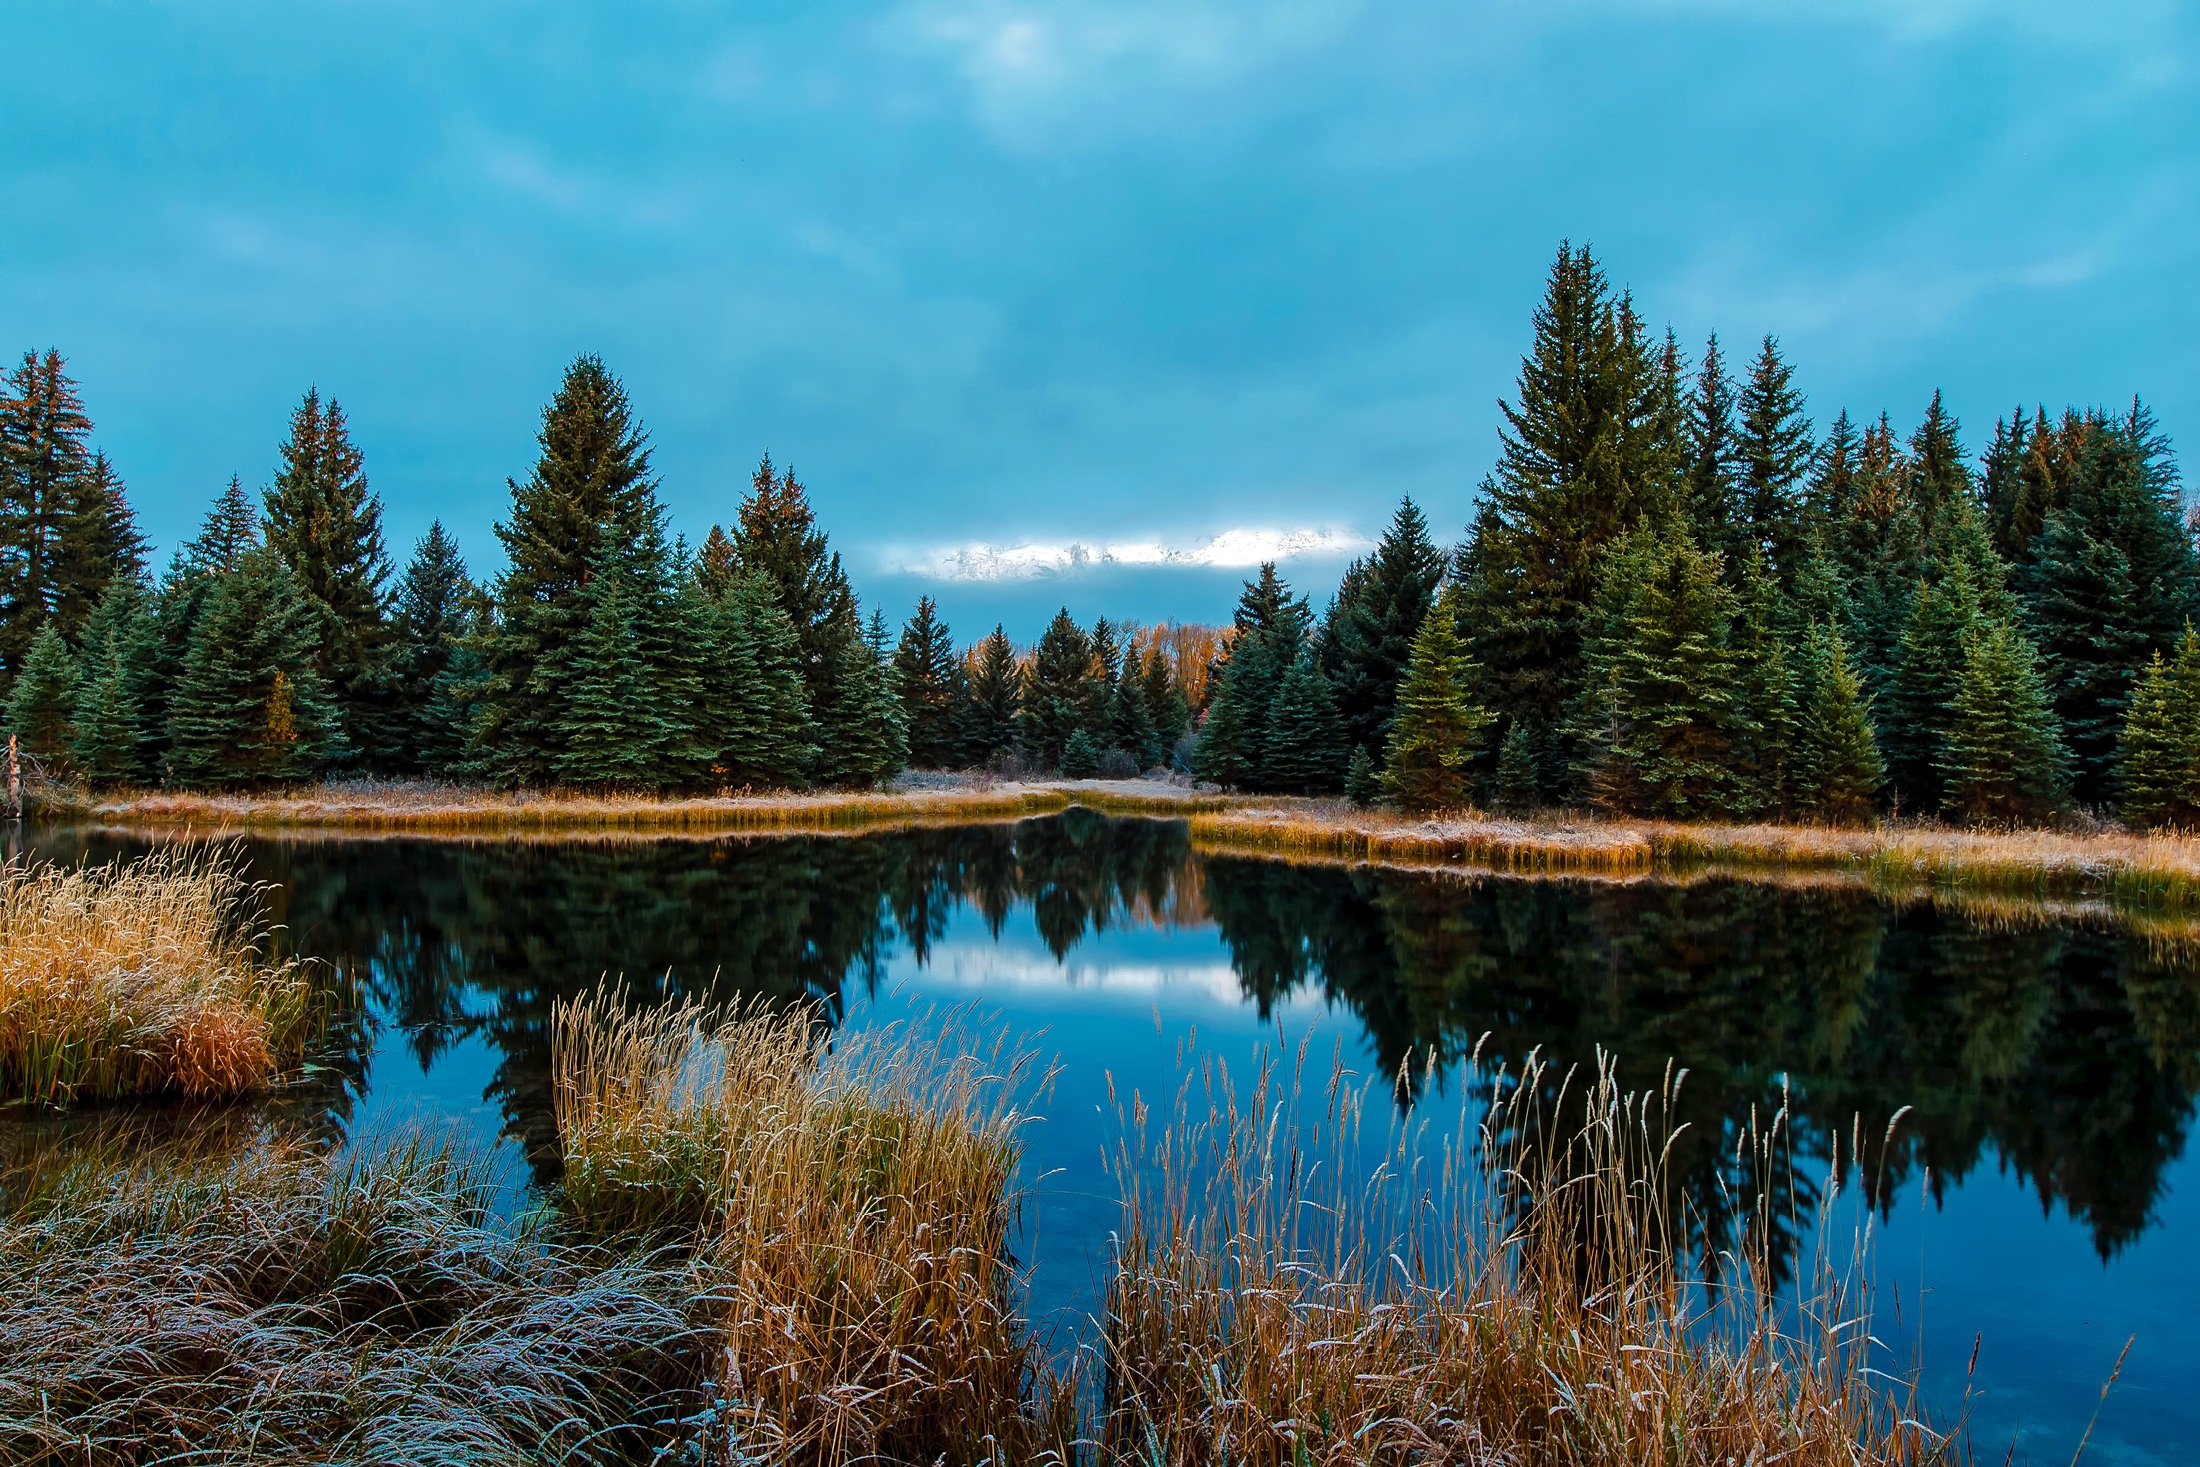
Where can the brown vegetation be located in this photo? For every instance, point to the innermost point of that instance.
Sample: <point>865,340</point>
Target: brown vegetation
<point>140,979</point>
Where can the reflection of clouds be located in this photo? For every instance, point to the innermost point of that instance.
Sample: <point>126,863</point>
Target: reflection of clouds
<point>1240,549</point>
<point>994,969</point>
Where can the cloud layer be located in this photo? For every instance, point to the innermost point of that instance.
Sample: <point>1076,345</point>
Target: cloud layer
<point>1240,549</point>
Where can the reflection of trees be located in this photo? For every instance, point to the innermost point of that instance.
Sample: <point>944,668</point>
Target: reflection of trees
<point>2071,1053</point>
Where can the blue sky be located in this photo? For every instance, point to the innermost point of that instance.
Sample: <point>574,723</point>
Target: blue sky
<point>1187,279</point>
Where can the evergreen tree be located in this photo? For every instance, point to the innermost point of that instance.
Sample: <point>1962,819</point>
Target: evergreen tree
<point>99,544</point>
<point>2004,760</point>
<point>1668,716</point>
<point>1939,480</point>
<point>777,536</point>
<point>1716,513</point>
<point>428,622</point>
<point>1517,788</point>
<point>115,664</point>
<point>924,667</point>
<point>717,564</point>
<point>2160,754</point>
<point>1873,539</point>
<point>1306,752</point>
<point>609,731</point>
<point>1370,628</point>
<point>42,701</point>
<point>1080,756</point>
<point>590,486</point>
<point>1164,694</point>
<point>1228,751</point>
<point>231,531</point>
<point>1271,629</point>
<point>1591,448</point>
<point>893,713</point>
<point>996,700</point>
<point>755,719</point>
<point>1922,693</point>
<point>1763,716</point>
<point>43,464</point>
<point>1838,771</point>
<point>1438,724</point>
<point>1363,781</point>
<point>250,707</point>
<point>327,525</point>
<point>1055,689</point>
<point>1130,720</point>
<point>861,735</point>
<point>1773,453</point>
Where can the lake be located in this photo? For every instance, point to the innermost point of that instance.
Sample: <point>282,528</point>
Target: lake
<point>2036,1198</point>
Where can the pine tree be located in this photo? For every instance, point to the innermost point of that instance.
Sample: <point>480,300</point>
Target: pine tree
<point>1764,716</point>
<point>1271,633</point>
<point>99,545</point>
<point>591,485</point>
<point>924,667</point>
<point>1838,771</point>
<point>608,733</point>
<point>1130,721</point>
<point>1591,448</point>
<point>1055,689</point>
<point>250,707</point>
<point>1717,515</point>
<point>1922,693</point>
<point>42,701</point>
<point>1363,780</point>
<point>1228,751</point>
<point>2004,760</point>
<point>1874,541</point>
<point>429,619</point>
<point>1369,632</point>
<point>2160,755</point>
<point>1437,727</point>
<point>1773,453</point>
<point>996,700</point>
<point>1517,788</point>
<point>755,709</point>
<point>43,460</point>
<point>231,531</point>
<point>1306,739</point>
<point>327,525</point>
<point>861,735</point>
<point>1165,699</point>
<point>115,664</point>
<point>1080,756</point>
<point>777,535</point>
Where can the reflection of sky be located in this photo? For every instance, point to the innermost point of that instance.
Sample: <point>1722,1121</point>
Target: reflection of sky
<point>1128,1002</point>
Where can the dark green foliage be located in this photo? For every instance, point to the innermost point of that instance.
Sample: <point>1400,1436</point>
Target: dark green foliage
<point>232,529</point>
<point>327,526</point>
<point>114,669</point>
<point>1368,634</point>
<point>1306,740</point>
<point>429,620</point>
<point>1229,747</point>
<point>2003,760</point>
<point>1921,695</point>
<point>251,708</point>
<point>1080,756</point>
<point>1270,636</point>
<point>1871,539</point>
<point>1717,515</point>
<point>1517,789</point>
<point>1130,722</point>
<point>590,486</point>
<point>996,700</point>
<point>1773,453</point>
<point>99,545</point>
<point>1591,449</point>
<point>1165,700</point>
<point>1438,725</point>
<point>1764,717</point>
<point>1363,779</point>
<point>1666,719</point>
<point>42,701</point>
<point>754,718</point>
<point>1056,689</point>
<point>2159,758</point>
<point>1837,769</point>
<point>924,671</point>
<point>635,673</point>
<point>778,537</point>
<point>862,737</point>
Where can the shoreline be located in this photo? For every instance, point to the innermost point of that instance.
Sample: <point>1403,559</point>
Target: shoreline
<point>2143,874</point>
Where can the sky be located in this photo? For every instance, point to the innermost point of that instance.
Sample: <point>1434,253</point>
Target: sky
<point>1087,304</point>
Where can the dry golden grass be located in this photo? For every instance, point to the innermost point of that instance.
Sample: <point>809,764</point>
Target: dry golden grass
<point>850,1209</point>
<point>1279,1300</point>
<point>143,978</point>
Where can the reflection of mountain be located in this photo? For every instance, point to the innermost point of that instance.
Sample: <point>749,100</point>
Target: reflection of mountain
<point>2072,1053</point>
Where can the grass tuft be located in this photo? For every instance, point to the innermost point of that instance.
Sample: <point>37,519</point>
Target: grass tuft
<point>140,979</point>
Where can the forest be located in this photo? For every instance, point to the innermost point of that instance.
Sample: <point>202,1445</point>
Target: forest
<point>1676,597</point>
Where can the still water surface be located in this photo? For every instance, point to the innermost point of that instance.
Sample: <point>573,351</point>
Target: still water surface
<point>2038,1191</point>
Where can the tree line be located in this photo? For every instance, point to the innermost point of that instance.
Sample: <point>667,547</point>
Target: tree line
<point>1677,599</point>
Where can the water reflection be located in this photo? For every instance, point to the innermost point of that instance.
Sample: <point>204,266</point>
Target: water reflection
<point>2066,1050</point>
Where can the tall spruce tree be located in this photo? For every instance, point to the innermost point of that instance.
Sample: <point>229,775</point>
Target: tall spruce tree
<point>100,544</point>
<point>610,731</point>
<point>1921,696</point>
<point>996,700</point>
<point>41,704</point>
<point>1229,747</point>
<point>250,707</point>
<point>428,620</point>
<point>326,524</point>
<point>591,485</point>
<point>231,531</point>
<point>1438,725</point>
<point>861,734</point>
<point>1164,690</point>
<point>1717,514</point>
<point>1773,455</point>
<point>1055,689</point>
<point>115,665</point>
<point>924,666</point>
<point>777,536</point>
<point>755,722</point>
<point>1591,447</point>
<point>1131,725</point>
<point>1838,770</point>
<point>2003,759</point>
<point>1307,753</point>
<point>45,464</point>
<point>1369,632</point>
<point>2159,760</point>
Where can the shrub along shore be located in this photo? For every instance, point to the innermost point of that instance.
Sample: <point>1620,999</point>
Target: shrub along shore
<point>2141,873</point>
<point>768,1248</point>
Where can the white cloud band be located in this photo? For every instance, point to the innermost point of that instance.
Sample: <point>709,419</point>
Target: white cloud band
<point>1239,549</point>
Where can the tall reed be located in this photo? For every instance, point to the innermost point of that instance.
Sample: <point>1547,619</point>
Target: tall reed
<point>850,1206</point>
<point>142,978</point>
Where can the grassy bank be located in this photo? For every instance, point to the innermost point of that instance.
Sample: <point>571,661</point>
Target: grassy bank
<point>765,1249</point>
<point>140,979</point>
